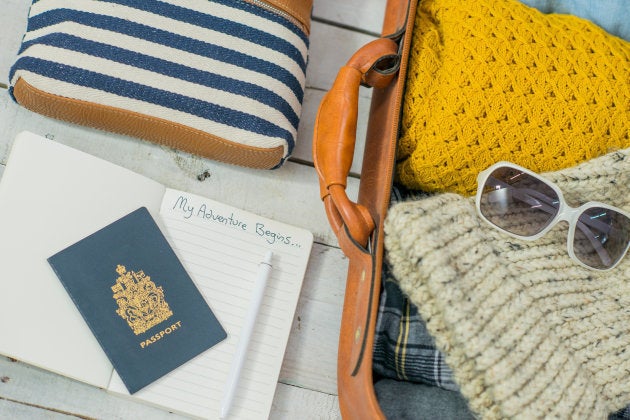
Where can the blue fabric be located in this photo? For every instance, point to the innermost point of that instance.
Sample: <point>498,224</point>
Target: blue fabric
<point>168,39</point>
<point>171,100</point>
<point>70,42</point>
<point>611,15</point>
<point>217,24</point>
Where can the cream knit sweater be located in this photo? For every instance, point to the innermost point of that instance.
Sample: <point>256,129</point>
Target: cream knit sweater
<point>527,332</point>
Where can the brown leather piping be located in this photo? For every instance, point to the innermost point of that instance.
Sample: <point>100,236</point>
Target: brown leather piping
<point>366,336</point>
<point>145,127</point>
<point>300,10</point>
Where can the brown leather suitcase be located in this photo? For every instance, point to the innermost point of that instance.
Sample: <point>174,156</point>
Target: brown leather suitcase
<point>381,64</point>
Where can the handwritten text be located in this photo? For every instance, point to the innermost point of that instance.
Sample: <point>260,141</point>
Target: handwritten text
<point>207,213</point>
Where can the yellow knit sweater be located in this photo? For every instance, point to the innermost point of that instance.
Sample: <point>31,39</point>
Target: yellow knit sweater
<point>492,80</point>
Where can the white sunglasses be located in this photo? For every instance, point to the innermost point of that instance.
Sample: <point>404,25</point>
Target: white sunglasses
<point>521,203</point>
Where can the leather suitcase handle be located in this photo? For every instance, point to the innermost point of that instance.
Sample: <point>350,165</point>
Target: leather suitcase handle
<point>374,65</point>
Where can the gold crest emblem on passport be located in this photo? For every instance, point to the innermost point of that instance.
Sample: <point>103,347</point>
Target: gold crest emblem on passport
<point>140,302</point>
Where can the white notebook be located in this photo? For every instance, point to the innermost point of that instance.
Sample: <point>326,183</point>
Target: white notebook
<point>51,196</point>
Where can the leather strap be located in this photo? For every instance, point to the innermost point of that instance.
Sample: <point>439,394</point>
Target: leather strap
<point>358,226</point>
<point>334,136</point>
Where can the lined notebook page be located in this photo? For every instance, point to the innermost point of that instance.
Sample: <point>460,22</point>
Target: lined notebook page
<point>221,248</point>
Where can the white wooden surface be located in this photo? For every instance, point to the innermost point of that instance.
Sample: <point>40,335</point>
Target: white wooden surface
<point>307,385</point>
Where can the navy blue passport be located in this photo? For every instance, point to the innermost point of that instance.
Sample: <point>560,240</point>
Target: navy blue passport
<point>137,298</point>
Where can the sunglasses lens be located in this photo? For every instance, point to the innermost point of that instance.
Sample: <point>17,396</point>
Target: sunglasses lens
<point>518,202</point>
<point>601,237</point>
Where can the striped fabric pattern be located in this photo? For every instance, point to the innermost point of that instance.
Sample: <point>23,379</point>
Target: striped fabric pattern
<point>225,67</point>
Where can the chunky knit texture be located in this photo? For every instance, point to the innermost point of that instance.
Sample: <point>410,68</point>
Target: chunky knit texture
<point>527,331</point>
<point>494,80</point>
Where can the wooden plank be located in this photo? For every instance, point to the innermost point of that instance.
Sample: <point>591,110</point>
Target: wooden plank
<point>12,26</point>
<point>362,15</point>
<point>311,357</point>
<point>28,392</point>
<point>330,49</point>
<point>22,411</point>
<point>296,403</point>
<point>29,385</point>
<point>289,194</point>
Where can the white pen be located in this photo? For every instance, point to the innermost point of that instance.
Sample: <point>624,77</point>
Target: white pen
<point>264,270</point>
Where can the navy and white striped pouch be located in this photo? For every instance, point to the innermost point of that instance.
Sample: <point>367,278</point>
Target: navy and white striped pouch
<point>219,78</point>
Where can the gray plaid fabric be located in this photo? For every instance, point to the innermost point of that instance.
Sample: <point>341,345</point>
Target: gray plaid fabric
<point>621,414</point>
<point>403,348</point>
